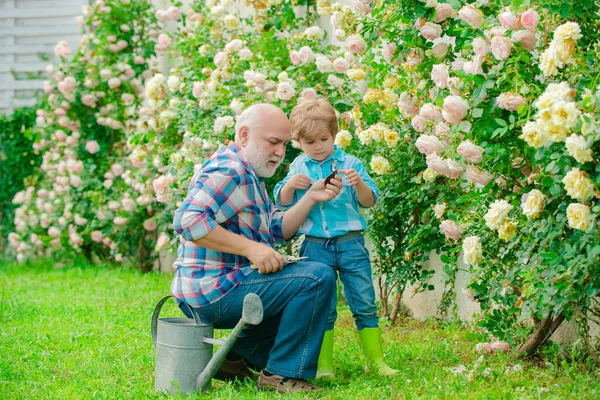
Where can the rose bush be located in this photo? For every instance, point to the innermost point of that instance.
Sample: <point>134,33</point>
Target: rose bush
<point>460,111</point>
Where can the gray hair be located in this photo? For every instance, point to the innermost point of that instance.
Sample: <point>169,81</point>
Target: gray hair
<point>250,118</point>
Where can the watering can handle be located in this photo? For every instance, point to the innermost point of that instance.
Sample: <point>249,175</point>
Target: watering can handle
<point>156,312</point>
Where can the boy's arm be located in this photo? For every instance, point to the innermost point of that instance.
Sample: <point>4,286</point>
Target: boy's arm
<point>365,195</point>
<point>286,194</point>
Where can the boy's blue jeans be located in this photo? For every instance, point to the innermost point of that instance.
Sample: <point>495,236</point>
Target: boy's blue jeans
<point>288,340</point>
<point>349,259</point>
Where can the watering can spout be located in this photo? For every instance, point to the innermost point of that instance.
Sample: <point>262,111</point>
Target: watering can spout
<point>252,313</point>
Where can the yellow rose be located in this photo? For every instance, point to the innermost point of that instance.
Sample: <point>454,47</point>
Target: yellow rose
<point>380,165</point>
<point>534,204</point>
<point>357,74</point>
<point>472,250</point>
<point>507,230</point>
<point>391,138</point>
<point>578,216</point>
<point>568,30</point>
<point>533,135</point>
<point>577,148</point>
<point>578,185</point>
<point>343,138</point>
<point>429,176</point>
<point>497,213</point>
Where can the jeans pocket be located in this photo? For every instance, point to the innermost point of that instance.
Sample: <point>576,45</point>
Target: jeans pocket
<point>360,243</point>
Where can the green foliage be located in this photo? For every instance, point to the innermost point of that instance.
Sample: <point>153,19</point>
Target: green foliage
<point>17,161</point>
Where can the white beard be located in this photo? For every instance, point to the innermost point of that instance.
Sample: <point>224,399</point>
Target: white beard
<point>258,160</point>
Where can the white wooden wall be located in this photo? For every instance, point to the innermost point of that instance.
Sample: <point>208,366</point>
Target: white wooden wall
<point>29,28</point>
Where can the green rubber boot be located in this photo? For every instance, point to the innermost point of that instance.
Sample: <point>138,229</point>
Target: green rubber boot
<point>370,338</point>
<point>325,365</point>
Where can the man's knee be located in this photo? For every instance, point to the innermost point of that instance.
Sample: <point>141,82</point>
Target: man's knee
<point>322,272</point>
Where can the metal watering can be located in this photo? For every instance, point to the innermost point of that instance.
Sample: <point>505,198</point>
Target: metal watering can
<point>184,347</point>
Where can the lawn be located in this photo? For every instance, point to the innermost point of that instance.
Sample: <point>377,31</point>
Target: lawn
<point>83,332</point>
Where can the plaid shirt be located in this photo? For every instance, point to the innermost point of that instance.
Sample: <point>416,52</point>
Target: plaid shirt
<point>225,191</point>
<point>340,215</point>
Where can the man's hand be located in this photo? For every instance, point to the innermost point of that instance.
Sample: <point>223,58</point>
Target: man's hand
<point>265,258</point>
<point>320,193</point>
<point>299,181</point>
<point>352,176</point>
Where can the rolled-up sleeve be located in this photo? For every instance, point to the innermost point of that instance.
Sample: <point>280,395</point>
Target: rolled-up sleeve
<point>277,226</point>
<point>211,201</point>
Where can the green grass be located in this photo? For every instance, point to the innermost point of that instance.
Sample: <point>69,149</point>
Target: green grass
<point>82,332</point>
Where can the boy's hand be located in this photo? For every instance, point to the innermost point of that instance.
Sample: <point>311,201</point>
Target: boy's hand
<point>299,181</point>
<point>352,176</point>
<point>320,192</point>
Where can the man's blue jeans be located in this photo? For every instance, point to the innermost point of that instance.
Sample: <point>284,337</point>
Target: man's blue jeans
<point>295,302</point>
<point>349,259</point>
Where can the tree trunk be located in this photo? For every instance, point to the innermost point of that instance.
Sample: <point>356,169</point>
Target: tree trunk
<point>383,295</point>
<point>396,306</point>
<point>544,330</point>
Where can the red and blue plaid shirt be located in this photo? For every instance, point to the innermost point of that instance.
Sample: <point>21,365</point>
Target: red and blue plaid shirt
<point>225,191</point>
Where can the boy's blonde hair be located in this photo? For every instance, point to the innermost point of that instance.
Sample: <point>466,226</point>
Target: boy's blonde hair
<point>311,118</point>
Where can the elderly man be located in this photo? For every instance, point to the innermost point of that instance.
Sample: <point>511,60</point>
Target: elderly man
<point>227,224</point>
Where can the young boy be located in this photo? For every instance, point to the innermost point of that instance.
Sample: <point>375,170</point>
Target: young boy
<point>334,229</point>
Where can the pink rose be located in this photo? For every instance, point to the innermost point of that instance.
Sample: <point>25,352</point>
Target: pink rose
<point>89,100</point>
<point>442,12</point>
<point>128,204</point>
<point>439,75</point>
<point>173,13</point>
<point>455,109</point>
<point>526,38</point>
<point>306,55</point>
<point>309,94</point>
<point>430,112</point>
<point>245,54</point>
<point>198,89</point>
<point>440,49</point>
<point>114,83</point>
<point>408,104</point>
<point>285,91</point>
<point>419,123</point>
<point>501,46</point>
<point>120,221</point>
<point>510,101</point>
<point>428,144</point>
<point>389,50</point>
<point>62,49</point>
<point>220,59</point>
<point>431,31</point>
<point>480,46</point>
<point>508,20</point>
<point>97,236</point>
<point>340,65</point>
<point>150,225</point>
<point>356,44</point>
<point>164,40</point>
<point>295,58</point>
<point>474,66</point>
<point>451,230</point>
<point>92,146</point>
<point>530,19</point>
<point>437,164</point>
<point>476,175</point>
<point>454,169</point>
<point>161,242</point>
<point>470,152</point>
<point>53,232</point>
<point>471,16</point>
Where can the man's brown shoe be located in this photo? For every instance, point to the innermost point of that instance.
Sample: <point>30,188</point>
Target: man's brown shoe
<point>229,371</point>
<point>284,384</point>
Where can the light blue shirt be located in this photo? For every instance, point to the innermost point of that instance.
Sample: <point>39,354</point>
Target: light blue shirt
<point>340,215</point>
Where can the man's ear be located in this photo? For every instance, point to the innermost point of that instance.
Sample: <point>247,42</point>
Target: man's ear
<point>244,134</point>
